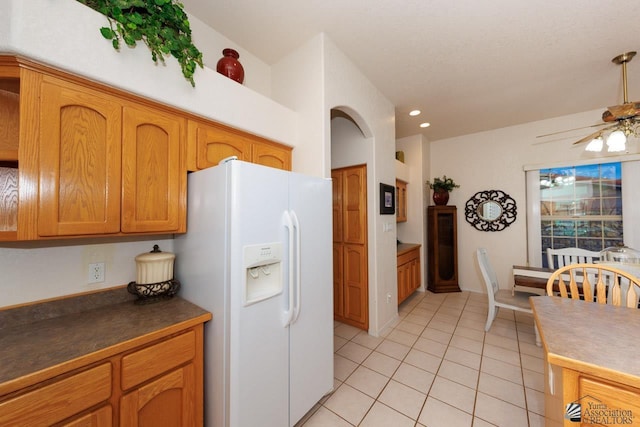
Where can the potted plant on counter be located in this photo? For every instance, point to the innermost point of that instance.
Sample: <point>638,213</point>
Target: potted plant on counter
<point>441,188</point>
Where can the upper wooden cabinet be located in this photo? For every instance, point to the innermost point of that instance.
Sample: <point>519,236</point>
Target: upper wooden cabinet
<point>208,143</point>
<point>401,201</point>
<point>89,161</point>
<point>80,160</point>
<point>153,171</point>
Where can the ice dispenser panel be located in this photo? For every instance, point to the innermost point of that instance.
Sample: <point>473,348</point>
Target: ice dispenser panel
<point>263,272</point>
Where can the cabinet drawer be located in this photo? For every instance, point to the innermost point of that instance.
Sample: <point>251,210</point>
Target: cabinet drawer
<point>154,360</point>
<point>607,395</point>
<point>408,256</point>
<point>55,402</point>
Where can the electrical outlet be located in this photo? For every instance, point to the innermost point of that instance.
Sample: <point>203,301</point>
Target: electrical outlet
<point>388,298</point>
<point>96,272</point>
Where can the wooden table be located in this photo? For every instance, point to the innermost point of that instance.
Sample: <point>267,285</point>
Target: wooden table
<point>591,361</point>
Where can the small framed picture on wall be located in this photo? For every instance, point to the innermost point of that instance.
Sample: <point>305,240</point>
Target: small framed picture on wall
<point>387,199</point>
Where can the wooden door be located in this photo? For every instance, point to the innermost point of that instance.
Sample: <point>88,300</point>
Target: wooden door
<point>167,401</point>
<point>154,173</point>
<point>79,179</point>
<point>351,296</point>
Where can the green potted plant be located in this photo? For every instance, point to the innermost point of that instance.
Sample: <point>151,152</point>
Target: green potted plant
<point>441,188</point>
<point>162,25</point>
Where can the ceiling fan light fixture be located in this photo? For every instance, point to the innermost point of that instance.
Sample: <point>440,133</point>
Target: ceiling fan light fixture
<point>616,141</point>
<point>595,144</point>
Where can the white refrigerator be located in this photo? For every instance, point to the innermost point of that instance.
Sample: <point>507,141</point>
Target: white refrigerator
<point>258,255</point>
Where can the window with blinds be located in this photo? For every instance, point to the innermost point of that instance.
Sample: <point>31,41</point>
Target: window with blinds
<point>581,206</point>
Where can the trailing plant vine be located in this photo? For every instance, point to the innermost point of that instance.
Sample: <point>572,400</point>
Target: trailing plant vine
<point>161,24</point>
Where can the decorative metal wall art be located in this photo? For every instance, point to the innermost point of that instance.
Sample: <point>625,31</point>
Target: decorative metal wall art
<point>491,210</point>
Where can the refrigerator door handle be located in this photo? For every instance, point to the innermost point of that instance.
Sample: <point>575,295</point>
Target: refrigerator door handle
<point>288,314</point>
<point>298,287</point>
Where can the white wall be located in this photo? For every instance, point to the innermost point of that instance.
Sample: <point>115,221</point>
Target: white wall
<point>348,145</point>
<point>257,74</point>
<point>65,34</point>
<point>494,160</point>
<point>347,89</point>
<point>313,80</point>
<point>413,231</point>
<point>298,83</point>
<point>33,271</point>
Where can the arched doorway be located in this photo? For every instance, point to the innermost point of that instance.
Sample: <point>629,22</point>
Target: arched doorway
<point>351,152</point>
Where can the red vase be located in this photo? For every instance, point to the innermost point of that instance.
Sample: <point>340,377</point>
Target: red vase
<point>229,66</point>
<point>440,197</point>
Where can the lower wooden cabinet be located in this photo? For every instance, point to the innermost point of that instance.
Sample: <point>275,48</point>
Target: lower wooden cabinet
<point>167,400</point>
<point>409,278</point>
<point>62,399</point>
<point>102,417</point>
<point>160,384</point>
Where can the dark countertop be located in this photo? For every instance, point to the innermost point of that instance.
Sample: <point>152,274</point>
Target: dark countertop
<point>406,247</point>
<point>52,342</point>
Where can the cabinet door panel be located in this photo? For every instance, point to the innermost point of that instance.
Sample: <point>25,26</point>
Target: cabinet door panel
<point>154,171</point>
<point>338,284</point>
<point>102,417</point>
<point>355,283</point>
<point>214,144</point>
<point>60,400</point>
<point>355,205</point>
<point>166,401</point>
<point>271,156</point>
<point>80,135</point>
<point>336,178</point>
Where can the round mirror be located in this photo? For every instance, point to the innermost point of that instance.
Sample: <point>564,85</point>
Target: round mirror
<point>489,210</point>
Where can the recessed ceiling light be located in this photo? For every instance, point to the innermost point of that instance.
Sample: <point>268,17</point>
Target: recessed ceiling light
<point>425,125</point>
<point>414,112</point>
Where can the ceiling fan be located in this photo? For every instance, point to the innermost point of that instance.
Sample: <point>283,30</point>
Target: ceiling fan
<point>625,118</point>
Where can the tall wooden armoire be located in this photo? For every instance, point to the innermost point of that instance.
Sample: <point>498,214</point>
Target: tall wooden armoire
<point>442,249</point>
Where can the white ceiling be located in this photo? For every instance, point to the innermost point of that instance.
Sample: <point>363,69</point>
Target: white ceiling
<point>469,65</point>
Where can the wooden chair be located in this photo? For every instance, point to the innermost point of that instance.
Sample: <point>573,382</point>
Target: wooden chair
<point>603,284</point>
<point>557,258</point>
<point>502,298</point>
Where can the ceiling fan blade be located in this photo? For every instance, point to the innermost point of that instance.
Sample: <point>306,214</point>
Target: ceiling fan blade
<point>588,137</point>
<point>624,111</point>
<point>571,130</point>
<point>593,135</point>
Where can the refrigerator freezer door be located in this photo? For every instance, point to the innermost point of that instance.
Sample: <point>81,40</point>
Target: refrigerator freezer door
<point>259,344</point>
<point>311,334</point>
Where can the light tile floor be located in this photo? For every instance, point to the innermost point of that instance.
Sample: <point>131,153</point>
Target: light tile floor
<point>437,368</point>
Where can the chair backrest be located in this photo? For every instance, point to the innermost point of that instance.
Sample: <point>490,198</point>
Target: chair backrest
<point>557,258</point>
<point>596,283</point>
<point>489,276</point>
